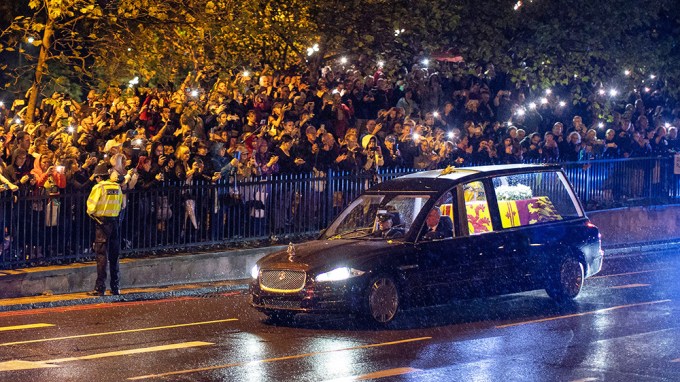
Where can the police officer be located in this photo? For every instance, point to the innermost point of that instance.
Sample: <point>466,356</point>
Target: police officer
<point>103,206</point>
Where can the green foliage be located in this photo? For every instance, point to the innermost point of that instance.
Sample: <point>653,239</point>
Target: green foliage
<point>574,44</point>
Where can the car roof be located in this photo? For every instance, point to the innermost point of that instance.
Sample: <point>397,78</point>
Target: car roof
<point>440,180</point>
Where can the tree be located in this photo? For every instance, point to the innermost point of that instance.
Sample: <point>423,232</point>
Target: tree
<point>57,28</point>
<point>161,40</point>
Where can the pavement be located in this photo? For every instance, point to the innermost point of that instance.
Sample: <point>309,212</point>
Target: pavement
<point>68,285</point>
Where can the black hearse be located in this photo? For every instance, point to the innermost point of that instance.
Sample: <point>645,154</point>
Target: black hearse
<point>433,236</point>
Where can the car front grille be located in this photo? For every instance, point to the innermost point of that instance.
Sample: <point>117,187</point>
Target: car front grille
<point>285,304</point>
<point>284,281</point>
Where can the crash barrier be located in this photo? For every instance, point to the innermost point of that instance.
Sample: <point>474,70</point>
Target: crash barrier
<point>54,229</point>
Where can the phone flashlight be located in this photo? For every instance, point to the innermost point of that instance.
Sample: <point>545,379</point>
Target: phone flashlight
<point>71,129</point>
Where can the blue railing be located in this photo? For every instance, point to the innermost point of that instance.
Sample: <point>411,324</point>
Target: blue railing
<point>259,211</point>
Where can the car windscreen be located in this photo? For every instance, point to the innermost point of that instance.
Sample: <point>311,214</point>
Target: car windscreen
<point>362,217</point>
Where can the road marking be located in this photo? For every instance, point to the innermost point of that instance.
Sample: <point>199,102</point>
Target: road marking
<point>630,273</point>
<point>581,314</point>
<point>676,360</point>
<point>377,374</point>
<point>118,332</point>
<point>26,365</point>
<point>108,305</point>
<point>22,327</point>
<point>629,286</point>
<point>285,358</point>
<point>589,379</point>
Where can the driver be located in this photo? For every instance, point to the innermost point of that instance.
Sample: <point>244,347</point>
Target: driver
<point>386,227</point>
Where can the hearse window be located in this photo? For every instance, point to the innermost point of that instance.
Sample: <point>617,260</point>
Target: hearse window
<point>360,218</point>
<point>533,198</point>
<point>477,208</point>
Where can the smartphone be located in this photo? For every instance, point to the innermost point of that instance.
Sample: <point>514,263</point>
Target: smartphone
<point>263,122</point>
<point>237,155</point>
<point>396,147</point>
<point>59,168</point>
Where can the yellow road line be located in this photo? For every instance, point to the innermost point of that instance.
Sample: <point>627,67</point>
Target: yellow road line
<point>27,365</point>
<point>285,358</point>
<point>629,286</point>
<point>22,327</point>
<point>581,314</point>
<point>630,273</point>
<point>182,345</point>
<point>377,375</point>
<point>118,332</point>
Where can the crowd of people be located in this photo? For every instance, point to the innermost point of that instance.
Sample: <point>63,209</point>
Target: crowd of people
<point>220,130</point>
<point>346,120</point>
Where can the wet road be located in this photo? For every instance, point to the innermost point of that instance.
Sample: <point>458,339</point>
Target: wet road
<point>625,326</point>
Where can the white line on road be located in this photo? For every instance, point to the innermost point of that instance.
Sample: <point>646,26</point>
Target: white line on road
<point>629,286</point>
<point>27,365</point>
<point>285,358</point>
<point>22,327</point>
<point>581,314</point>
<point>117,332</point>
<point>630,273</point>
<point>377,375</point>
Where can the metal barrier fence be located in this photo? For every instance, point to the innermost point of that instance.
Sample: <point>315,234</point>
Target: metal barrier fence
<point>54,230</point>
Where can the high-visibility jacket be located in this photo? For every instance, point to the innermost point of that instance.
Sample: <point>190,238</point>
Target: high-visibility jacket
<point>105,200</point>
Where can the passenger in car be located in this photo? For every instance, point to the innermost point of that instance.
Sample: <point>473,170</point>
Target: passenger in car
<point>437,226</point>
<point>387,229</point>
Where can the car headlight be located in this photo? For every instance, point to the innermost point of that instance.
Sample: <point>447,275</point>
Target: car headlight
<point>338,274</point>
<point>255,271</point>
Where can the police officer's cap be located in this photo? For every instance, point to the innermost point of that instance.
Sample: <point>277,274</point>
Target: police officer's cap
<point>384,216</point>
<point>101,170</point>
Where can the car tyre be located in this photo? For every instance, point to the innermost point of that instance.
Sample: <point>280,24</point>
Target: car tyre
<point>382,300</point>
<point>566,280</point>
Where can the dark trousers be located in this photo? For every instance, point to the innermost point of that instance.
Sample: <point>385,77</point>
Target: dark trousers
<point>107,248</point>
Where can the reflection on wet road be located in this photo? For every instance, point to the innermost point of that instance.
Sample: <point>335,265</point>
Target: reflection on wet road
<point>624,326</point>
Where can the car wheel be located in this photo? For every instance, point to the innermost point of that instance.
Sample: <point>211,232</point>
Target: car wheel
<point>383,300</point>
<point>566,280</point>
<point>279,317</point>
